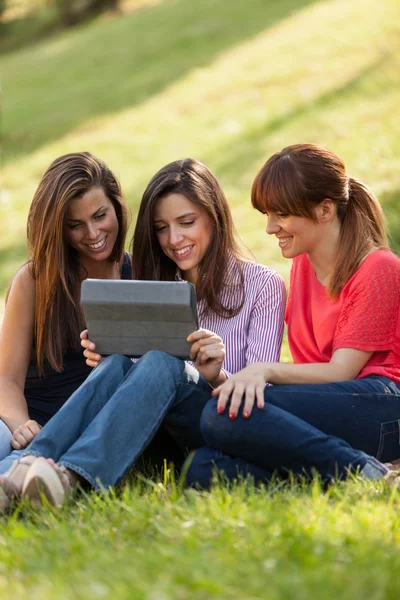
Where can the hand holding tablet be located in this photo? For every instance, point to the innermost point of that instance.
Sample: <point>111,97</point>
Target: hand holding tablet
<point>134,317</point>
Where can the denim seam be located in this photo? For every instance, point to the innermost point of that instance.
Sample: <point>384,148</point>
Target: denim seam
<point>33,453</point>
<point>82,473</point>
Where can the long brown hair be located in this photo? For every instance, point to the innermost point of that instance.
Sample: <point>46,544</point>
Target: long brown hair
<point>197,183</point>
<point>297,179</point>
<point>53,262</point>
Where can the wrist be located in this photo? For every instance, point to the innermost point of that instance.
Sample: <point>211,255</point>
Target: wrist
<point>222,376</point>
<point>14,423</point>
<point>267,372</point>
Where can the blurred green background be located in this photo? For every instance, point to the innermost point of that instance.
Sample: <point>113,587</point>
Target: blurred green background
<point>226,81</point>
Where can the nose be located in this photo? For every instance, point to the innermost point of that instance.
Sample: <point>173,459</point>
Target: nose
<point>91,231</point>
<point>175,236</point>
<point>272,225</point>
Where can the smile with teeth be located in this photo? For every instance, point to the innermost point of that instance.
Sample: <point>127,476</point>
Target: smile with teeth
<point>284,240</point>
<point>98,244</point>
<point>183,251</point>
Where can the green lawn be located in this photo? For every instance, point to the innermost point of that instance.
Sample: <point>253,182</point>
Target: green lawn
<point>227,82</point>
<point>151,543</point>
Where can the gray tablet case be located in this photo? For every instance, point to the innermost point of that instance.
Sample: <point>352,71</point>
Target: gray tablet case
<point>133,317</point>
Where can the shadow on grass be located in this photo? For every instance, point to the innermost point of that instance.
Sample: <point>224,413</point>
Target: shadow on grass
<point>391,206</point>
<point>106,67</point>
<point>27,30</point>
<point>249,148</point>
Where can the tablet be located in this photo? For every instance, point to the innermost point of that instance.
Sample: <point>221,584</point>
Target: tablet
<point>133,317</point>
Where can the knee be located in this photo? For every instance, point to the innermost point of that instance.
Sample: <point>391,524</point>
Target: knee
<point>162,363</point>
<point>214,427</point>
<point>115,361</point>
<point>157,357</point>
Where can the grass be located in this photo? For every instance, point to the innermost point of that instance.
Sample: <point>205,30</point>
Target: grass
<point>227,85</point>
<point>151,542</point>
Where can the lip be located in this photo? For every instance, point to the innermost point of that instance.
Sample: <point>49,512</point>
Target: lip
<point>284,240</point>
<point>101,248</point>
<point>185,254</point>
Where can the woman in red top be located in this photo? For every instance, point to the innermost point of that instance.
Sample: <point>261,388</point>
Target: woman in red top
<point>337,408</point>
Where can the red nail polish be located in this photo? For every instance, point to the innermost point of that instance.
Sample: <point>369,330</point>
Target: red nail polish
<point>220,410</point>
<point>246,414</point>
<point>232,416</point>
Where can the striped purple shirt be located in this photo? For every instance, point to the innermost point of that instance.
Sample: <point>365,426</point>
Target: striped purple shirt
<point>255,334</point>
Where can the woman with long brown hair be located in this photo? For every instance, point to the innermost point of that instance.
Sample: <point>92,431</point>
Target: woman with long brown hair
<point>184,230</point>
<point>337,408</point>
<point>77,225</point>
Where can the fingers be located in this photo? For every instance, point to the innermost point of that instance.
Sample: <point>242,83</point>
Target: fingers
<point>33,427</point>
<point>208,347</point>
<point>214,353</point>
<point>88,344</point>
<point>223,392</point>
<point>237,391</point>
<point>249,401</point>
<point>236,400</point>
<point>199,334</point>
<point>92,358</point>
<point>18,441</point>
<point>260,395</point>
<point>24,434</point>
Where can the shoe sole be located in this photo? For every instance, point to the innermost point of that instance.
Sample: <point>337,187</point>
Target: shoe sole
<point>42,481</point>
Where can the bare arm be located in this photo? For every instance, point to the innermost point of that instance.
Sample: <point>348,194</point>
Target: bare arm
<point>15,349</point>
<point>345,364</point>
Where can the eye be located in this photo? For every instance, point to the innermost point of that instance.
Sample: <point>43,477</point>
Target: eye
<point>282,215</point>
<point>187,223</point>
<point>75,226</point>
<point>159,228</point>
<point>101,216</point>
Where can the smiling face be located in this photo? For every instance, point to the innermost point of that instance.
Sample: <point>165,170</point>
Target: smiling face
<point>184,232</point>
<point>91,225</point>
<point>295,234</point>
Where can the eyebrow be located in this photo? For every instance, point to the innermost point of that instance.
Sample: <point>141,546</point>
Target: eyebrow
<point>102,208</point>
<point>191,214</point>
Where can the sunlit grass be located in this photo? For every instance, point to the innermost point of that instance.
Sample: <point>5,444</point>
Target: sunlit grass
<point>283,541</point>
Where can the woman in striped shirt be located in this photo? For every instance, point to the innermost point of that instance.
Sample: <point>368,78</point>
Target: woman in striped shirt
<point>184,228</point>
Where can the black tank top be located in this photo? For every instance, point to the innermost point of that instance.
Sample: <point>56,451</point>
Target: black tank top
<point>46,395</point>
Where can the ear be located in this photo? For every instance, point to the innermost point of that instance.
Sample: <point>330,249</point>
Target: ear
<point>325,210</point>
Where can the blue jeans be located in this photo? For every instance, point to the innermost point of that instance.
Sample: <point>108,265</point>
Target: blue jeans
<point>7,454</point>
<point>108,422</point>
<point>329,428</point>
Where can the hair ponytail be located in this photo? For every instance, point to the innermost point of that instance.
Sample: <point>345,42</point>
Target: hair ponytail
<point>362,229</point>
<point>297,179</point>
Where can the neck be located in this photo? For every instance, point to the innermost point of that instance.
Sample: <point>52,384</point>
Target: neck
<point>101,270</point>
<point>323,257</point>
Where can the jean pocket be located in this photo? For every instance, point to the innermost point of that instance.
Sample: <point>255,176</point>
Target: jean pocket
<point>389,441</point>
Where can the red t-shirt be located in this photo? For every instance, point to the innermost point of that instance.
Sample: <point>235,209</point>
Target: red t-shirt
<point>365,316</point>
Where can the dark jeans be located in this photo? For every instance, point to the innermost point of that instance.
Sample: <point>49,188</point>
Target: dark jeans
<point>329,428</point>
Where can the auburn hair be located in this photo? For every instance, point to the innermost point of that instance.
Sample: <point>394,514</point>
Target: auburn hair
<point>217,282</point>
<point>53,263</point>
<point>296,179</point>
